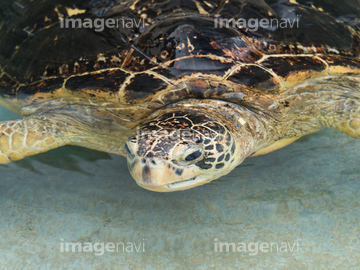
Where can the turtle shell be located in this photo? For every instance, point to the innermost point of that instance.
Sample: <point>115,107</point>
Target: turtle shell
<point>164,51</point>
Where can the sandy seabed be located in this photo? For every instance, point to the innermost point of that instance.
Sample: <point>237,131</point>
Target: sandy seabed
<point>306,194</point>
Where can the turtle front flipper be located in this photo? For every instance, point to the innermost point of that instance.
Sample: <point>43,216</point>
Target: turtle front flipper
<point>351,127</point>
<point>75,121</point>
<point>345,104</point>
<point>325,102</point>
<point>29,136</point>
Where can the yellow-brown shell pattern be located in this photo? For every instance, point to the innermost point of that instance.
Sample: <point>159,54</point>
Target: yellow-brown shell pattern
<point>174,52</point>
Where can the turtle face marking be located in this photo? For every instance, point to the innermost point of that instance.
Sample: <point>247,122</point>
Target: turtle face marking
<point>180,150</point>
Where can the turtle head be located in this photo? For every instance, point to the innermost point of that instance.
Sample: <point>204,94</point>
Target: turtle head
<point>180,150</point>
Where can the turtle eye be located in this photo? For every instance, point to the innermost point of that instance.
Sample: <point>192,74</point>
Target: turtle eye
<point>129,152</point>
<point>127,148</point>
<point>193,155</point>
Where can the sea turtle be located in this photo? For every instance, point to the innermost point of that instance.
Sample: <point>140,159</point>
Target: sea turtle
<point>185,89</point>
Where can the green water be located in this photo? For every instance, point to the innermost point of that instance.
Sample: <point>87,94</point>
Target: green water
<point>306,194</point>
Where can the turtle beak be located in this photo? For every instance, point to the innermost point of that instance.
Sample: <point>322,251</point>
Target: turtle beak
<point>161,176</point>
<point>176,186</point>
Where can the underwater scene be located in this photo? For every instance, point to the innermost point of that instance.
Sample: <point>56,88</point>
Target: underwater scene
<point>302,199</point>
<point>217,134</point>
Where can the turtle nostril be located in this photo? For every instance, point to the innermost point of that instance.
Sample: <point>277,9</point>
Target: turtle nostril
<point>153,162</point>
<point>143,161</point>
